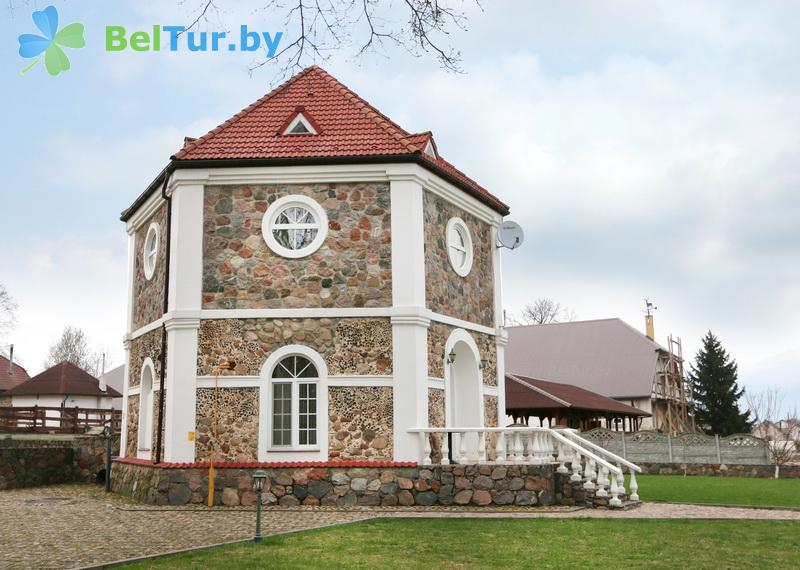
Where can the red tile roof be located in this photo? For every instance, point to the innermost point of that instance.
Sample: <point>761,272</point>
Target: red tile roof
<point>62,379</point>
<point>348,127</point>
<point>10,378</point>
<point>523,393</point>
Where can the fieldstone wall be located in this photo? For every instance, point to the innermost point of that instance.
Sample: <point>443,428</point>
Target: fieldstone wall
<point>148,295</point>
<point>470,298</point>
<point>490,420</point>
<point>141,347</point>
<point>350,346</point>
<point>132,426</point>
<point>360,423</point>
<point>351,269</point>
<point>438,333</point>
<point>464,485</point>
<point>238,424</point>
<point>436,418</point>
<point>48,460</point>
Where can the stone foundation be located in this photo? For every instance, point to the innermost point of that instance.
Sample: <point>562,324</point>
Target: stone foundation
<point>348,483</point>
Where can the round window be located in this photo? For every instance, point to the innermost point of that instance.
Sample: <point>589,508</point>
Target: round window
<point>150,252</point>
<point>459,246</point>
<point>294,226</point>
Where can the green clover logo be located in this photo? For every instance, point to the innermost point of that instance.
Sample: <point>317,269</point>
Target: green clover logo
<point>32,45</point>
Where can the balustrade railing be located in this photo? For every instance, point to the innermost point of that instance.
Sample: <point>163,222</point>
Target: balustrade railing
<point>600,470</point>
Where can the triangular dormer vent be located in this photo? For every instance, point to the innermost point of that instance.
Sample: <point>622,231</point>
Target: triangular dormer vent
<point>429,150</point>
<point>300,125</point>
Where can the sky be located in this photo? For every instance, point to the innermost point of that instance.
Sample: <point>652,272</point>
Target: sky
<point>648,149</point>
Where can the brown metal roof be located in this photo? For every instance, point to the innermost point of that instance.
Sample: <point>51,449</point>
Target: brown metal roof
<point>62,379</point>
<point>607,356</point>
<point>10,378</point>
<point>524,393</point>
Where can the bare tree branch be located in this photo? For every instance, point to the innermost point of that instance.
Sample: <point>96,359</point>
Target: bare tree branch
<point>781,433</point>
<point>544,311</point>
<point>8,312</point>
<point>322,27</point>
<point>73,346</point>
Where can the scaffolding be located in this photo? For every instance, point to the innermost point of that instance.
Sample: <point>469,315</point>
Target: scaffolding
<point>673,391</point>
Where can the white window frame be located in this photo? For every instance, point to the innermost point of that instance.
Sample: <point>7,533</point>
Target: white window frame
<point>275,209</point>
<point>149,263</point>
<point>300,118</point>
<point>294,452</point>
<point>458,225</point>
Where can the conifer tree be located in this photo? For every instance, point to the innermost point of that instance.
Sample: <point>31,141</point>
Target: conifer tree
<point>716,392</point>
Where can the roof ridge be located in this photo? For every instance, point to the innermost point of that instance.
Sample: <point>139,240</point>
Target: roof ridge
<point>243,113</point>
<point>541,391</point>
<point>567,323</point>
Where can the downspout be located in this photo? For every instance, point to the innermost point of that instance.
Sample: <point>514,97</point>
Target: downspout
<point>163,357</point>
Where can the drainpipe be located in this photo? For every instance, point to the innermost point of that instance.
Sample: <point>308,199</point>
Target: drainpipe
<point>163,357</point>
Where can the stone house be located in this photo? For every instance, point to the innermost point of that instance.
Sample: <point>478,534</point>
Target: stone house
<point>347,273</point>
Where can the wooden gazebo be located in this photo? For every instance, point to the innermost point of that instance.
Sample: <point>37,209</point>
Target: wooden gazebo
<point>566,405</point>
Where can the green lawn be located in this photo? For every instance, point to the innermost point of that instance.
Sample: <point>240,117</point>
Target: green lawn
<point>720,490</point>
<point>515,543</point>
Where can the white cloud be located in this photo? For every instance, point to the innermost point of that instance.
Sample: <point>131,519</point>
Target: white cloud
<point>67,281</point>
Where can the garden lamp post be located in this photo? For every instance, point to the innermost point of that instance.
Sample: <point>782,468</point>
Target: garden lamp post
<point>259,477</point>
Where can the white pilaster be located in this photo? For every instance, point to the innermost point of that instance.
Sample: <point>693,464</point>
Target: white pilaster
<point>410,319</point>
<point>186,256</point>
<point>123,441</point>
<point>185,295</point>
<point>181,396</point>
<point>501,337</point>
<point>501,341</point>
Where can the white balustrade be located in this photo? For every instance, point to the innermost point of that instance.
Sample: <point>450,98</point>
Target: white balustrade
<point>499,450</point>
<point>590,475</point>
<point>634,487</point>
<point>426,446</point>
<point>577,474</point>
<point>562,459</point>
<point>462,448</point>
<point>602,482</point>
<point>445,449</point>
<point>481,447</point>
<point>584,461</point>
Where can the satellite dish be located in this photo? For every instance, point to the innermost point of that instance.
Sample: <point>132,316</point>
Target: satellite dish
<point>511,235</point>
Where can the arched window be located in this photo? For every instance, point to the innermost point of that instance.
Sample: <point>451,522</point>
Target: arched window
<point>145,442</point>
<point>293,393</point>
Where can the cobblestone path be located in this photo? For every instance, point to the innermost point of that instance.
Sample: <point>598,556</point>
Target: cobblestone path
<point>68,526</point>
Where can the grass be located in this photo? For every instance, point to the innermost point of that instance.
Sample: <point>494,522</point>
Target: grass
<point>720,490</point>
<point>515,543</point>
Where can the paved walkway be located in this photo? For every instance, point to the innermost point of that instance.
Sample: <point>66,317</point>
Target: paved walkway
<point>67,526</point>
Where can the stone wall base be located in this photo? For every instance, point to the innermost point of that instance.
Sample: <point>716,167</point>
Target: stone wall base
<point>720,470</point>
<point>28,460</point>
<point>474,485</point>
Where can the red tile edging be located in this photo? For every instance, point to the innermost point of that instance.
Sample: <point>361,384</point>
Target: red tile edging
<point>265,465</point>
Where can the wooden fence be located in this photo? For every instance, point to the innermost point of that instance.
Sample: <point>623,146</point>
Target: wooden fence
<point>42,419</point>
